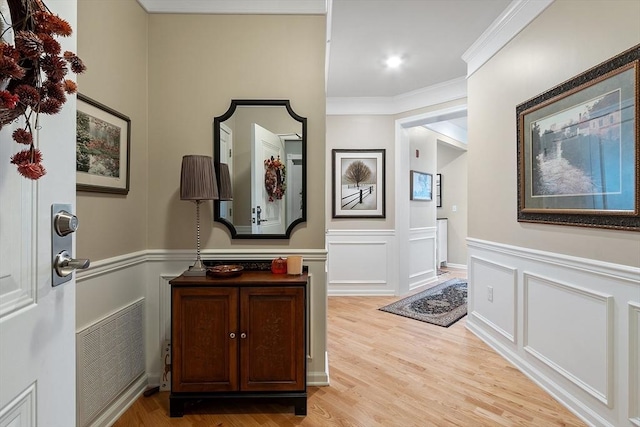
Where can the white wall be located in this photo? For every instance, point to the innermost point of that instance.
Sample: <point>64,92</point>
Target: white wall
<point>452,165</point>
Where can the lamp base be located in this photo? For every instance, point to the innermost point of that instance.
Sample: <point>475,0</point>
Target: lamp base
<point>197,269</point>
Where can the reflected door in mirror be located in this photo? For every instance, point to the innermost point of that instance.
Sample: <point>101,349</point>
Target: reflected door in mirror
<point>267,197</point>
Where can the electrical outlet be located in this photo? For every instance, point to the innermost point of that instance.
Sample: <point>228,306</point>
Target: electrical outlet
<point>454,208</point>
<point>490,293</point>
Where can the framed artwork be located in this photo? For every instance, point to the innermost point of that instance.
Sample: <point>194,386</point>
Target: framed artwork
<point>421,186</point>
<point>578,149</point>
<point>439,190</point>
<point>103,144</point>
<point>358,180</point>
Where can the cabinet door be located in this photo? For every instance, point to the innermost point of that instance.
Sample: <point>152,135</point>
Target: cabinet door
<point>204,341</point>
<point>272,355</point>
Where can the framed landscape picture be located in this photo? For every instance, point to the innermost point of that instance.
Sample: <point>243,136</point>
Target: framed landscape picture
<point>103,138</point>
<point>358,180</point>
<point>421,186</point>
<point>578,149</point>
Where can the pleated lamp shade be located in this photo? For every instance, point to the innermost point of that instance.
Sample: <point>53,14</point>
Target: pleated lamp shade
<point>226,192</point>
<point>198,178</point>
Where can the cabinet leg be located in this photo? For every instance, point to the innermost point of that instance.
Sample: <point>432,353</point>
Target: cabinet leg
<point>300,406</point>
<point>176,407</point>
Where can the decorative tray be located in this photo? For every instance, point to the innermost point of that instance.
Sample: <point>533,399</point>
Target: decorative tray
<point>225,270</point>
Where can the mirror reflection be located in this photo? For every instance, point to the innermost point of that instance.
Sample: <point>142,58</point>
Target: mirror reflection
<point>263,144</point>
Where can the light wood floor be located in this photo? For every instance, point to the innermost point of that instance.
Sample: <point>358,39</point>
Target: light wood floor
<point>389,371</point>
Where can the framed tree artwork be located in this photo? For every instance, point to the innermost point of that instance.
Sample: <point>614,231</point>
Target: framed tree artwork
<point>358,183</point>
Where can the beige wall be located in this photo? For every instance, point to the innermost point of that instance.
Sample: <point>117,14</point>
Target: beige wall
<point>422,213</point>
<point>362,132</point>
<point>452,165</point>
<point>552,49</point>
<point>112,42</point>
<point>197,64</point>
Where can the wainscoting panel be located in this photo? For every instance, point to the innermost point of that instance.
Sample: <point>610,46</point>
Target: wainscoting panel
<point>21,411</point>
<point>576,324</point>
<point>493,296</point>
<point>559,317</point>
<point>165,265</point>
<point>360,262</point>
<point>634,362</point>
<point>118,282</point>
<point>422,256</point>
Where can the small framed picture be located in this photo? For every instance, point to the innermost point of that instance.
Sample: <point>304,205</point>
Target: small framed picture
<point>421,186</point>
<point>103,138</point>
<point>358,179</point>
<point>439,190</point>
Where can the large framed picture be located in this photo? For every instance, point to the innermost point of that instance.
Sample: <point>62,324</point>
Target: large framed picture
<point>420,186</point>
<point>358,180</point>
<point>103,144</point>
<point>579,150</point>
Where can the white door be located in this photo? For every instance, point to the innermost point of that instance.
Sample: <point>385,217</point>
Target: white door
<point>226,156</point>
<point>294,187</point>
<point>37,321</point>
<point>265,145</point>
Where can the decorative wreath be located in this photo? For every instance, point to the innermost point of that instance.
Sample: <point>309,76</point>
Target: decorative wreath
<point>32,75</point>
<point>274,178</point>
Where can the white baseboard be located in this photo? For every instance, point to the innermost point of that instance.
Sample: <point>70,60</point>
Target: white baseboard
<point>456,266</point>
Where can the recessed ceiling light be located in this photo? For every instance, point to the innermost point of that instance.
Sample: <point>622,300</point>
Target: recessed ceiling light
<point>394,61</point>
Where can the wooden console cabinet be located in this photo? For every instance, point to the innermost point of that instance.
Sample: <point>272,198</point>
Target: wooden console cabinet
<point>240,337</point>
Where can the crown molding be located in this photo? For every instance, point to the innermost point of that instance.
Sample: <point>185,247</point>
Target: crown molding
<point>253,7</point>
<point>514,19</point>
<point>425,97</point>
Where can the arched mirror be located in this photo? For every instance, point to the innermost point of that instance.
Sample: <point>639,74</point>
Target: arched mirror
<point>263,145</point>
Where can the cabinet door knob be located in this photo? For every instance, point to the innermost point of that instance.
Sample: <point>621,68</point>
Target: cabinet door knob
<point>243,335</point>
<point>232,335</point>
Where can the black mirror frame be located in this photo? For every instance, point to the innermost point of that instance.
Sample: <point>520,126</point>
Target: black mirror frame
<point>216,160</point>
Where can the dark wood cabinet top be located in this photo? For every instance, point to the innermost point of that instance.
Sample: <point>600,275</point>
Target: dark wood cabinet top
<point>247,278</point>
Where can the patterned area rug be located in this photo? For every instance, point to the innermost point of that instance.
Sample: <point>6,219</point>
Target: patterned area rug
<point>442,305</point>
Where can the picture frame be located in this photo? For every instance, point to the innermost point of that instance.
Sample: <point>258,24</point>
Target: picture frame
<point>358,183</point>
<point>421,186</point>
<point>438,190</point>
<point>103,147</point>
<point>579,151</point>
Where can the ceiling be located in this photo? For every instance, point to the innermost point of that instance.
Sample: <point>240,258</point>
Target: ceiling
<point>429,35</point>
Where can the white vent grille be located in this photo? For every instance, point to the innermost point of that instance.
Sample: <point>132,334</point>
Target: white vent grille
<point>110,357</point>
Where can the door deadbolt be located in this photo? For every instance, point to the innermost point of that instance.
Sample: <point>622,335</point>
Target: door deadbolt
<point>63,225</point>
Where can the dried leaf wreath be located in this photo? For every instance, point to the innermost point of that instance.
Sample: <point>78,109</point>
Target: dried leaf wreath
<point>274,178</point>
<point>32,75</point>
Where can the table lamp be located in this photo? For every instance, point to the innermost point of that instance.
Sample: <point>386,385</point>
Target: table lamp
<point>197,183</point>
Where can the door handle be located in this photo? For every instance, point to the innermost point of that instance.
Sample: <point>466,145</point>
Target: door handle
<point>65,265</point>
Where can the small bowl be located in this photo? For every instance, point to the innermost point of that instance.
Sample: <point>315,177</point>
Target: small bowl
<point>225,270</point>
